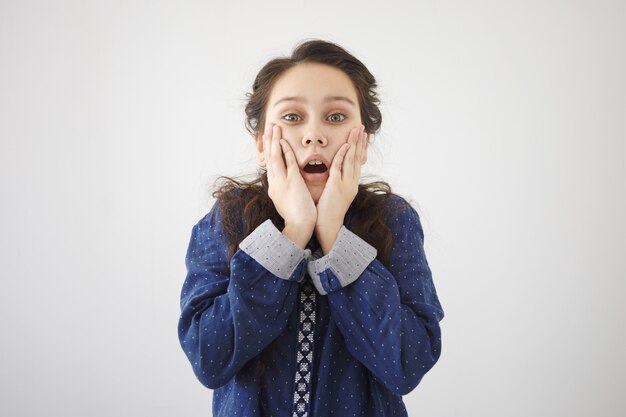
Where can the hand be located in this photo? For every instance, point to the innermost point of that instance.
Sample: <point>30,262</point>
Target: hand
<point>341,187</point>
<point>286,187</point>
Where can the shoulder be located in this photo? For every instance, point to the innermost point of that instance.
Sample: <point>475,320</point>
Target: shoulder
<point>214,217</point>
<point>396,207</point>
<point>376,201</point>
<point>401,214</point>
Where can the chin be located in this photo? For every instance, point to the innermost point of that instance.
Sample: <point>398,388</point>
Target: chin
<point>316,193</point>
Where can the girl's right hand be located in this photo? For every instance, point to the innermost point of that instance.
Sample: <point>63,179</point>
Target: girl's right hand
<point>286,187</point>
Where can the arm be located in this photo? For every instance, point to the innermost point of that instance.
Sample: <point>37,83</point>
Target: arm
<point>389,317</point>
<point>232,310</point>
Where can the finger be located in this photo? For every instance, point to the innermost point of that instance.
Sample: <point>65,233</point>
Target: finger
<point>336,164</point>
<point>356,168</point>
<point>358,158</point>
<point>290,157</point>
<point>267,151</point>
<point>366,140</point>
<point>348,163</point>
<point>277,153</point>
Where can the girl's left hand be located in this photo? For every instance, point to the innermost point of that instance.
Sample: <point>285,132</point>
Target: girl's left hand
<point>342,186</point>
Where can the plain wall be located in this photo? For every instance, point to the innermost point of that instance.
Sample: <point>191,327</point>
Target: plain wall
<point>503,122</point>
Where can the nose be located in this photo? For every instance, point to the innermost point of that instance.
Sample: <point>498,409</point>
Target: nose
<point>314,136</point>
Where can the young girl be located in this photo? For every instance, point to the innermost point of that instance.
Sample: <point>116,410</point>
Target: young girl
<point>308,293</point>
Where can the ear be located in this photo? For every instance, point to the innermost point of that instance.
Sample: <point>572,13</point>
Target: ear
<point>258,139</point>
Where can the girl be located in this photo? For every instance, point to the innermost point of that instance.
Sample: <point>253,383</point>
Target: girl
<point>308,293</point>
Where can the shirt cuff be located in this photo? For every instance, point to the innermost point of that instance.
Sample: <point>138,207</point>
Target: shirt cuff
<point>347,260</point>
<point>275,251</point>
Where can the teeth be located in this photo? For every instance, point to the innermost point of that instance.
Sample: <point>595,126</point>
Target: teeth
<point>315,162</point>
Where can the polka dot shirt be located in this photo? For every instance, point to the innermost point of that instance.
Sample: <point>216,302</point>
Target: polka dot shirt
<point>277,330</point>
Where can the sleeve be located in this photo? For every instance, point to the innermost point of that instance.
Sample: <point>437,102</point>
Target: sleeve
<point>232,310</point>
<point>389,317</point>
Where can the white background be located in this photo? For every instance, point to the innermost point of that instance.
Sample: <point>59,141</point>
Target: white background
<point>504,122</point>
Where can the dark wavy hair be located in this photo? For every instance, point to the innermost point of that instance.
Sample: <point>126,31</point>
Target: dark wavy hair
<point>249,200</point>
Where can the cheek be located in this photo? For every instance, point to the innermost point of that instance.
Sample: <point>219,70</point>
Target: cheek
<point>291,137</point>
<point>289,133</point>
<point>343,136</point>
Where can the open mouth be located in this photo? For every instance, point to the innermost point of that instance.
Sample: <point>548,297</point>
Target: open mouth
<point>315,169</point>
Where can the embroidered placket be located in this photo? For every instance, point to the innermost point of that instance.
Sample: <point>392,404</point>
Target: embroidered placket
<point>306,328</point>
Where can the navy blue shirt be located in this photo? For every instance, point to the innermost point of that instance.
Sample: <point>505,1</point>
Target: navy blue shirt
<point>281,331</point>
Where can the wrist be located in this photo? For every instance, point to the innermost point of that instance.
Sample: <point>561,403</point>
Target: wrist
<point>329,225</point>
<point>298,234</point>
<point>326,236</point>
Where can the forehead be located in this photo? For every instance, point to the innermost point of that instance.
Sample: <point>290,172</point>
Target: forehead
<point>313,82</point>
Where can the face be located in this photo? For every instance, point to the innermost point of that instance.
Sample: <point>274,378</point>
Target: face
<point>316,106</point>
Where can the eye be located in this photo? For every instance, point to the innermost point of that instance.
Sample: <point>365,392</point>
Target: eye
<point>290,114</point>
<point>341,119</point>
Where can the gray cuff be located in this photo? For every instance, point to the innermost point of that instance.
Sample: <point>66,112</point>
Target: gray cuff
<point>347,259</point>
<point>273,250</point>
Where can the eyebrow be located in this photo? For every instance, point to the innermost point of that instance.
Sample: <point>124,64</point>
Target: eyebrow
<point>326,99</point>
